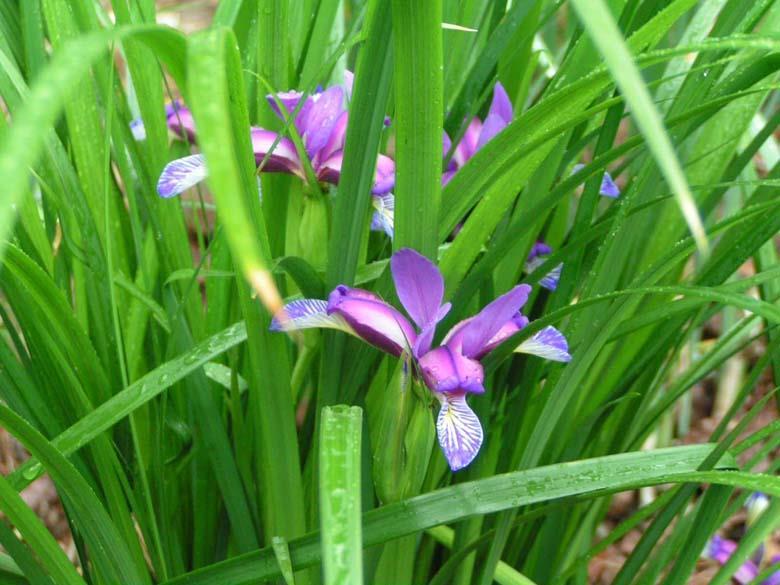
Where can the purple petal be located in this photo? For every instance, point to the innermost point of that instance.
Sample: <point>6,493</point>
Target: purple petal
<point>282,158</point>
<point>372,319</point>
<point>746,572</point>
<point>549,344</point>
<point>384,216</point>
<point>181,174</point>
<point>425,338</point>
<point>329,171</point>
<point>454,338</point>
<point>481,329</point>
<point>419,285</point>
<point>336,139</point>
<point>501,106</point>
<point>446,177</point>
<point>468,144</point>
<point>447,370</point>
<point>549,280</point>
<point>492,126</point>
<point>308,314</point>
<point>384,176</point>
<point>459,431</point>
<point>446,143</point>
<point>608,187</point>
<point>289,101</point>
<point>720,549</point>
<point>180,120</point>
<point>321,119</point>
<point>539,249</point>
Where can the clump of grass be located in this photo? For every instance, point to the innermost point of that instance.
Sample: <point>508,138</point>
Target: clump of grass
<point>144,362</point>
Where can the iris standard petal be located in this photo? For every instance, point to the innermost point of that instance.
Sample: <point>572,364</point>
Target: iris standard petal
<point>321,119</point>
<point>283,157</point>
<point>549,343</point>
<point>459,430</point>
<point>425,338</point>
<point>446,370</point>
<point>383,219</point>
<point>181,174</point>
<point>492,126</point>
<point>308,314</point>
<point>481,329</point>
<point>419,285</point>
<point>468,144</point>
<point>336,140</point>
<point>501,106</point>
<point>372,319</point>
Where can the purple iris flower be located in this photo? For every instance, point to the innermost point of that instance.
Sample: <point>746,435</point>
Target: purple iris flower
<point>321,122</point>
<point>178,118</point>
<point>452,370</point>
<point>538,256</point>
<point>720,550</point>
<point>479,133</point>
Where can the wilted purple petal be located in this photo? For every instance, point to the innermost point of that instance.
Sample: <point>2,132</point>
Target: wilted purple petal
<point>492,126</point>
<point>282,159</point>
<point>419,285</point>
<point>384,176</point>
<point>372,319</point>
<point>459,431</point>
<point>478,332</point>
<point>181,174</point>
<point>501,105</point>
<point>321,119</point>
<point>608,187</point>
<point>549,343</point>
<point>384,214</point>
<point>308,314</point>
<point>289,101</point>
<point>447,370</point>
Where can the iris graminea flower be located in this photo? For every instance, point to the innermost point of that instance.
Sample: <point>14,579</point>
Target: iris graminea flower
<point>452,370</point>
<point>319,119</point>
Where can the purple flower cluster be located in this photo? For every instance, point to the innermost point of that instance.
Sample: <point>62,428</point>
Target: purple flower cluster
<point>453,369</point>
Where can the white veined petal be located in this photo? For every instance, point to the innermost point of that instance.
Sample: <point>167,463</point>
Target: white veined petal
<point>181,174</point>
<point>459,430</point>
<point>549,343</point>
<point>309,314</point>
<point>548,281</point>
<point>384,216</point>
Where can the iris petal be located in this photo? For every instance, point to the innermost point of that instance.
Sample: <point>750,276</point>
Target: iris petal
<point>447,370</point>
<point>549,343</point>
<point>181,174</point>
<point>501,106</point>
<point>308,314</point>
<point>321,119</point>
<point>419,285</point>
<point>481,329</point>
<point>459,431</point>
<point>384,214</point>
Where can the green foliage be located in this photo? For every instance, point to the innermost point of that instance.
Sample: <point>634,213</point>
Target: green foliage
<point>191,444</point>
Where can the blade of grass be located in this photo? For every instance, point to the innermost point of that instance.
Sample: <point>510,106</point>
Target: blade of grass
<point>417,44</point>
<point>340,518</point>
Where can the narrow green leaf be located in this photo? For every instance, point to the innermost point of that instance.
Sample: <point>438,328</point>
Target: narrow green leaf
<point>340,519</point>
<point>417,42</point>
